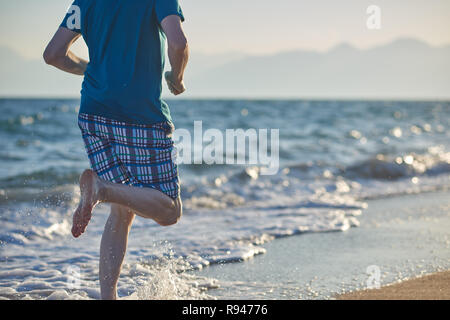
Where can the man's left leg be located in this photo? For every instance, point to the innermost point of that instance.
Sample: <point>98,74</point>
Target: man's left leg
<point>112,249</point>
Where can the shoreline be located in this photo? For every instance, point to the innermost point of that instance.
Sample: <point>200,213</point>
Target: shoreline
<point>434,286</point>
<point>405,236</point>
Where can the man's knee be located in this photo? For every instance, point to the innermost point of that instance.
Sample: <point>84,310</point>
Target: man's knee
<point>121,216</point>
<point>172,214</point>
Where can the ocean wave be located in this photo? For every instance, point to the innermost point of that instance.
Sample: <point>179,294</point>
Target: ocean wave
<point>409,165</point>
<point>42,178</point>
<point>247,186</point>
<point>61,196</point>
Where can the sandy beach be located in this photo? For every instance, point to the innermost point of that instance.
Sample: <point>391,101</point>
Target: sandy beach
<point>430,287</point>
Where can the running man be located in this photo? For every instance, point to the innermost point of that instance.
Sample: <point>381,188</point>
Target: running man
<point>126,126</point>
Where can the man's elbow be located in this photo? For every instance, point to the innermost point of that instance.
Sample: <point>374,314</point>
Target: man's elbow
<point>50,56</point>
<point>180,45</point>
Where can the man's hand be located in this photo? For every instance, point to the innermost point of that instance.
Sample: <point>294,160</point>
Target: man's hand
<point>175,86</point>
<point>178,53</point>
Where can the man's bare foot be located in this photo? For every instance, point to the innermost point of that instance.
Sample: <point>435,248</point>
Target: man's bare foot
<point>89,188</point>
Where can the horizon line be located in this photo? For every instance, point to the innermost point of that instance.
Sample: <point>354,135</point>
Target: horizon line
<point>237,98</point>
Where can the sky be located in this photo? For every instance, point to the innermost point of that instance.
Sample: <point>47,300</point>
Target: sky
<point>258,27</point>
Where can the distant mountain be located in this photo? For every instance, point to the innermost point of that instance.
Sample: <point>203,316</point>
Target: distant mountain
<point>405,68</point>
<point>200,62</point>
<point>402,69</point>
<point>22,77</point>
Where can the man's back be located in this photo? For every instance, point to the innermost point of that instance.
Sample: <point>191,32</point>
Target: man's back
<point>123,80</point>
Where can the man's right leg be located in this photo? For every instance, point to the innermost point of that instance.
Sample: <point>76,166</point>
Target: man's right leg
<point>113,248</point>
<point>146,202</point>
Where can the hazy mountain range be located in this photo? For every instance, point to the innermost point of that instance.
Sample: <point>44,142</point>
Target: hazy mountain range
<point>405,68</point>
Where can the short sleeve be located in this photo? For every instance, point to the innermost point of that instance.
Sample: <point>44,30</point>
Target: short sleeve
<point>166,8</point>
<point>72,20</point>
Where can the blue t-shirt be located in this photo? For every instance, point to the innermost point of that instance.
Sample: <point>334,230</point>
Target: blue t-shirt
<point>123,80</point>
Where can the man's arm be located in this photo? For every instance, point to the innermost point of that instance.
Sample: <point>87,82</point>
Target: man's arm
<point>58,54</point>
<point>178,52</point>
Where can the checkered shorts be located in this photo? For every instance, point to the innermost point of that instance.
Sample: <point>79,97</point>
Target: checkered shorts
<point>132,154</point>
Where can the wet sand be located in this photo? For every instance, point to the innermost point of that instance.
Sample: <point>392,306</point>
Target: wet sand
<point>405,236</point>
<point>430,287</point>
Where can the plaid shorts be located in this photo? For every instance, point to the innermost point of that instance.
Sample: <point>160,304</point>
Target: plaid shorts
<point>133,154</point>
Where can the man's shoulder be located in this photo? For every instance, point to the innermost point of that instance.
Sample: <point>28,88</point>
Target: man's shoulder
<point>87,3</point>
<point>80,3</point>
